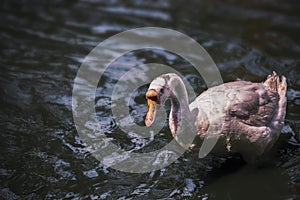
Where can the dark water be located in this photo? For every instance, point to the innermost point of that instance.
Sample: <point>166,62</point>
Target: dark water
<point>42,47</point>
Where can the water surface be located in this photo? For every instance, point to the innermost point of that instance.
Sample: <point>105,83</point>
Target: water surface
<point>42,47</point>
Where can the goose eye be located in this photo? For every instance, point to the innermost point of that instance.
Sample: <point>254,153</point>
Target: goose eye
<point>153,98</point>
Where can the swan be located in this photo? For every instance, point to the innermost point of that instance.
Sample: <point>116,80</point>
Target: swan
<point>253,112</point>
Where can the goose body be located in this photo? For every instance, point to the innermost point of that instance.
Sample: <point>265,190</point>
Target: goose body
<point>252,113</point>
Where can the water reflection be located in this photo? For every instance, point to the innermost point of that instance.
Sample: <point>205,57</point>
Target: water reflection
<point>42,46</point>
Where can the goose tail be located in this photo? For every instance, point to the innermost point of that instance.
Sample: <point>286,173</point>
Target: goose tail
<point>274,83</point>
<point>278,85</point>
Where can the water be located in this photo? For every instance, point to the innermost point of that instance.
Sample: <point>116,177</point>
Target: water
<point>42,47</point>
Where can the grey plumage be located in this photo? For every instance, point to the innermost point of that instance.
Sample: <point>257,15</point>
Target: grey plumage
<point>249,116</point>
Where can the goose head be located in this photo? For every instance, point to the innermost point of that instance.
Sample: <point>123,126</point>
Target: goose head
<point>156,96</point>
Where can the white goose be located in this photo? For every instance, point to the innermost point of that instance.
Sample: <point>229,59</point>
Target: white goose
<point>254,112</point>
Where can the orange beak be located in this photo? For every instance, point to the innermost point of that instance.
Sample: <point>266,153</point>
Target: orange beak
<point>152,97</point>
<point>151,114</point>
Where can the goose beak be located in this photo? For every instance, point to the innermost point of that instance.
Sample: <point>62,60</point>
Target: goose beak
<point>151,114</point>
<point>152,98</point>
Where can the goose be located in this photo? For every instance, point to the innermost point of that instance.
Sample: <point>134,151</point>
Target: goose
<point>253,112</point>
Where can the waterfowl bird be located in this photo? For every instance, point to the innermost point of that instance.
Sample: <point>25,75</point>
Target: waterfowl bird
<point>253,112</point>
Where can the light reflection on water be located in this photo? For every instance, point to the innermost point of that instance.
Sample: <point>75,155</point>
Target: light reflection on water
<point>42,47</point>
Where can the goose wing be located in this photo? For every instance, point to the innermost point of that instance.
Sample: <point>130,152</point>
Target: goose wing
<point>252,103</point>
